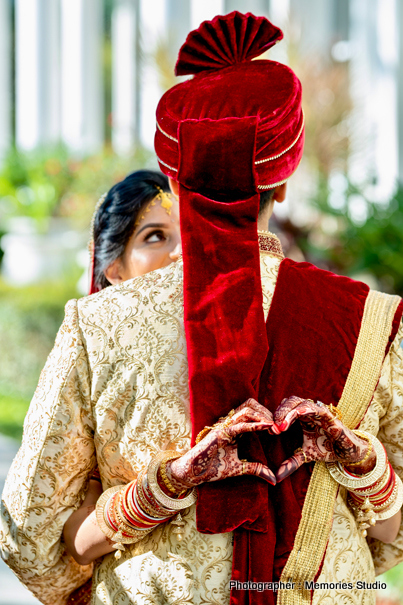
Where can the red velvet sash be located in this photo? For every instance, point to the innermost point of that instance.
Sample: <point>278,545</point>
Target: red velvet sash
<point>312,332</point>
<point>305,349</point>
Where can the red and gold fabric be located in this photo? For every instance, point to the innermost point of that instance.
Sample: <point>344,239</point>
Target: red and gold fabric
<point>114,393</point>
<point>229,133</point>
<point>115,387</point>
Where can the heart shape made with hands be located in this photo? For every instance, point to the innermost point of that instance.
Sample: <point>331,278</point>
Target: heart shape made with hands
<point>325,437</point>
<point>215,455</point>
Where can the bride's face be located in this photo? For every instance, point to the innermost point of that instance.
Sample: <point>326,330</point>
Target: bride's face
<point>155,243</point>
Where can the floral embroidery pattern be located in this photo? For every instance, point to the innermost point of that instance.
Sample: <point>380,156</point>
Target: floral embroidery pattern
<point>114,391</point>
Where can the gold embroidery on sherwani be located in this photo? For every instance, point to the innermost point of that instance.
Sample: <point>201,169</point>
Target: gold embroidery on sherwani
<point>158,419</point>
<point>48,477</point>
<point>270,244</point>
<point>348,556</point>
<point>317,513</point>
<point>118,378</point>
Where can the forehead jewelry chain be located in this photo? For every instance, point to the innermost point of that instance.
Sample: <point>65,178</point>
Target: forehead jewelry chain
<point>165,200</point>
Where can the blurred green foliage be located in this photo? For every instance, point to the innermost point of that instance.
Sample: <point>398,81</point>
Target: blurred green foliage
<point>369,241</point>
<point>51,182</point>
<point>394,581</point>
<point>12,414</point>
<point>29,320</point>
<point>40,185</point>
<point>32,184</point>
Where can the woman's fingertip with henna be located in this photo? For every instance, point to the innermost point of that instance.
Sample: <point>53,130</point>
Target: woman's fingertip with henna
<point>288,467</point>
<point>259,470</point>
<point>268,476</point>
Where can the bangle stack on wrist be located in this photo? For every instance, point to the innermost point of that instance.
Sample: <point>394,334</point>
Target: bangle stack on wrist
<point>376,496</point>
<point>127,513</point>
<point>369,451</point>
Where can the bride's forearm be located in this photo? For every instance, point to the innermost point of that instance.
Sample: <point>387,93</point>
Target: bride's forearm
<point>88,542</point>
<point>387,530</point>
<point>84,541</point>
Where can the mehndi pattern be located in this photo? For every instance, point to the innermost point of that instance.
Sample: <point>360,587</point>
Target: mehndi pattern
<point>116,385</point>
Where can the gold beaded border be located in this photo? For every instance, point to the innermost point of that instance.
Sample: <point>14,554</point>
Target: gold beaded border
<point>273,185</point>
<point>270,244</point>
<point>167,165</point>
<point>278,155</point>
<point>257,162</point>
<point>166,134</point>
<point>317,513</point>
<point>376,326</point>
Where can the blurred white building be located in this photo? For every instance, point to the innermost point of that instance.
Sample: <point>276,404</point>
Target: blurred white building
<point>52,72</point>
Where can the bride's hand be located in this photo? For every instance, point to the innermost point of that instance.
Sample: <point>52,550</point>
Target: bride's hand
<point>215,457</point>
<point>325,438</point>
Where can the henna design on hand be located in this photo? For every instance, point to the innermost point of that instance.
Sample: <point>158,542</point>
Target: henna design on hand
<point>325,437</point>
<point>215,457</point>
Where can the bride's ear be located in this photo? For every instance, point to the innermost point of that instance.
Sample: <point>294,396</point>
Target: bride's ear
<point>113,273</point>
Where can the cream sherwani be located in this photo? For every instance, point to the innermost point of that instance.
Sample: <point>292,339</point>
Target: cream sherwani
<point>114,392</point>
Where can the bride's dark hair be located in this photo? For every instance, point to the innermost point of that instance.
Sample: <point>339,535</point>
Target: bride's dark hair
<point>116,217</point>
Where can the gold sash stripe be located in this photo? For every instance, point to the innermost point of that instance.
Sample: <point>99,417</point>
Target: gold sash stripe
<point>317,513</point>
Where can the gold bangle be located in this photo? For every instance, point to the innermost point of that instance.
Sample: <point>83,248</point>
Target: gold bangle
<point>203,433</point>
<point>128,502</point>
<point>352,482</point>
<point>121,515</point>
<point>103,525</point>
<point>132,531</point>
<point>126,527</point>
<point>374,501</point>
<point>132,534</point>
<point>156,507</point>
<point>116,537</point>
<point>369,451</point>
<point>146,510</point>
<point>164,477</point>
<point>383,495</point>
<point>397,504</point>
<point>376,487</point>
<point>223,422</point>
<point>391,499</point>
<point>100,510</point>
<point>172,504</point>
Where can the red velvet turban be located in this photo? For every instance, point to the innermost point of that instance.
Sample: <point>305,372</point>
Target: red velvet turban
<point>232,131</point>
<point>196,120</point>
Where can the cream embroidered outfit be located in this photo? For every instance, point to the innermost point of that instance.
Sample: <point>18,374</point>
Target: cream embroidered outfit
<point>114,392</point>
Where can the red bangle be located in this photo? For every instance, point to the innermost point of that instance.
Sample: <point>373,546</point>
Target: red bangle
<point>379,494</point>
<point>109,513</point>
<point>364,490</point>
<point>137,522</point>
<point>143,515</point>
<point>379,497</point>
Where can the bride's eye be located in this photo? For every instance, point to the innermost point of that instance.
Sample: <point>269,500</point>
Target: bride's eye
<point>154,236</point>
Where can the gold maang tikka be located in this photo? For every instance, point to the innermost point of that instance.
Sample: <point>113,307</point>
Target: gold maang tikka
<point>165,200</point>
